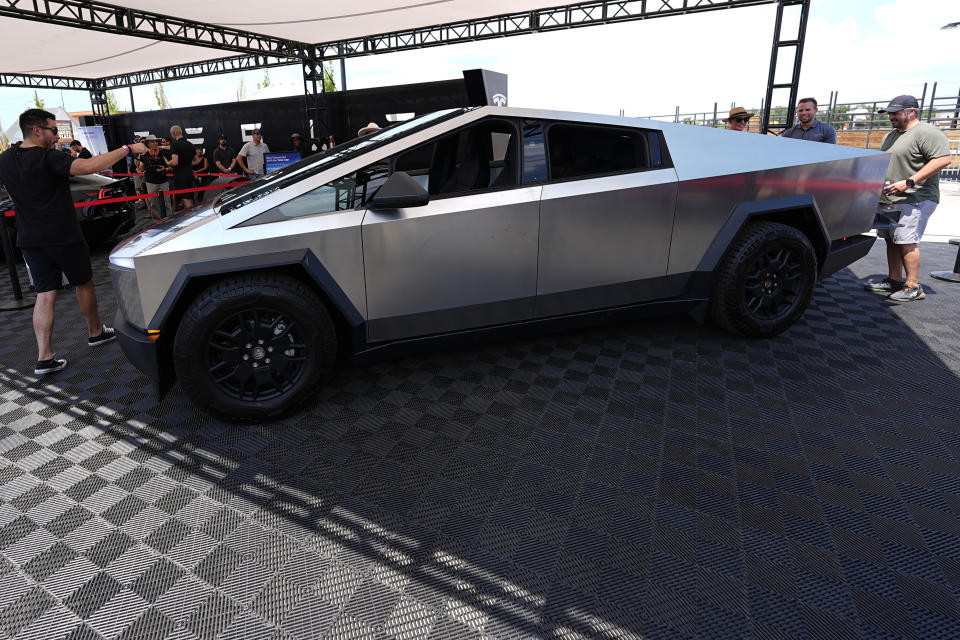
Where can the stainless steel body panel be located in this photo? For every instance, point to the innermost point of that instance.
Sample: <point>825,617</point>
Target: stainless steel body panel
<point>334,238</point>
<point>456,263</point>
<point>500,256</point>
<point>846,207</point>
<point>603,231</point>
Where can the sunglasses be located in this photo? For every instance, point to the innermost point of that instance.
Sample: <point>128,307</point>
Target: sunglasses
<point>741,120</point>
<point>50,129</point>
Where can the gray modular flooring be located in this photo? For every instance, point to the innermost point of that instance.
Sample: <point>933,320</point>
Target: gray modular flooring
<point>658,479</point>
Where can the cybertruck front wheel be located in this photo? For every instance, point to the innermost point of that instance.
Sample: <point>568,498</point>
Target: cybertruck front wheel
<point>765,281</point>
<point>254,347</point>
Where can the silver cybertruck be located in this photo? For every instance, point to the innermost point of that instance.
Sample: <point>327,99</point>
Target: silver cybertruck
<point>484,220</point>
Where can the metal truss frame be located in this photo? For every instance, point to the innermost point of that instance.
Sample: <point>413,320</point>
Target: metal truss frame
<point>582,14</point>
<point>27,81</point>
<point>197,70</point>
<point>787,46</point>
<point>100,16</point>
<point>263,51</point>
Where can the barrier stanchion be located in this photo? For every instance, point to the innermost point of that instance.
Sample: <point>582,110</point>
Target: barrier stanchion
<point>19,301</point>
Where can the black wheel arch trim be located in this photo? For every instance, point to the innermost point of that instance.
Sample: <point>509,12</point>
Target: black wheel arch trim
<point>304,258</point>
<point>701,281</point>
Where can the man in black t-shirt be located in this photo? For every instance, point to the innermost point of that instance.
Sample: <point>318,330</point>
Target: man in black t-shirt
<point>153,163</point>
<point>80,151</point>
<point>181,155</point>
<point>224,156</point>
<point>37,177</point>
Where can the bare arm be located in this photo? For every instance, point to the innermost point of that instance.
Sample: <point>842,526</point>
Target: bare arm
<point>243,165</point>
<point>932,167</point>
<point>86,166</point>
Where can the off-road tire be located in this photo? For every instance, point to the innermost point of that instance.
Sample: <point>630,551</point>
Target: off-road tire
<point>765,281</point>
<point>254,347</point>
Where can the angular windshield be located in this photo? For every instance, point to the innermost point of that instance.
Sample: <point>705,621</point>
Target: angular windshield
<point>265,185</point>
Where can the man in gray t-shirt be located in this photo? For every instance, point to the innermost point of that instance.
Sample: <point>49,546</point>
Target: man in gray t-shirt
<point>918,151</point>
<point>251,158</point>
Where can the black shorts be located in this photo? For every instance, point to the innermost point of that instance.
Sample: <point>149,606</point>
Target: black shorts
<point>183,183</point>
<point>47,263</point>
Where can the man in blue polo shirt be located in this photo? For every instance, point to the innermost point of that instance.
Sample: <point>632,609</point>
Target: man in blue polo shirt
<point>808,127</point>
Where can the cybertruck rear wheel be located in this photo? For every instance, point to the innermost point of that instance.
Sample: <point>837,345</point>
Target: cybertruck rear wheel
<point>254,347</point>
<point>765,282</point>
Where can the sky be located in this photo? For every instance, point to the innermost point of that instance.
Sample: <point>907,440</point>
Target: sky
<point>865,50</point>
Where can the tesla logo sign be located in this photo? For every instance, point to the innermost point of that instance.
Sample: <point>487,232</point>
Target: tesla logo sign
<point>499,99</point>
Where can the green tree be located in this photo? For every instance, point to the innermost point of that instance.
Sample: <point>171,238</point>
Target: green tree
<point>37,100</point>
<point>329,85</point>
<point>263,84</point>
<point>161,97</point>
<point>112,106</point>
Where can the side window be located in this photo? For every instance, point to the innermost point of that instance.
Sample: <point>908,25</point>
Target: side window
<point>483,156</point>
<point>577,151</point>
<point>349,192</point>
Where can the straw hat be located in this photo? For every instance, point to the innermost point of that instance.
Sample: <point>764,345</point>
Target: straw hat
<point>738,112</point>
<point>370,128</point>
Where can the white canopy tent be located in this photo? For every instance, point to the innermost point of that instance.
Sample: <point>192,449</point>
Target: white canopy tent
<point>65,51</point>
<point>85,44</point>
<point>13,133</point>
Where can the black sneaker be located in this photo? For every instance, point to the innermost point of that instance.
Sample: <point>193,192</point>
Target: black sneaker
<point>107,334</point>
<point>50,366</point>
<point>887,285</point>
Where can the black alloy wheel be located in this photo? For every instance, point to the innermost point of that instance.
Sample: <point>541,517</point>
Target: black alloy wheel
<point>253,347</point>
<point>257,354</point>
<point>765,281</point>
<point>774,283</point>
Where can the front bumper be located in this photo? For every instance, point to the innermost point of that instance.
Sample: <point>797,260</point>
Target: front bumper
<point>146,355</point>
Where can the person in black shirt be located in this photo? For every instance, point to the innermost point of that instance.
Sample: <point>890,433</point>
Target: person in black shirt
<point>224,157</point>
<point>181,155</point>
<point>297,146</point>
<point>153,164</point>
<point>37,177</point>
<point>201,171</point>
<point>81,151</point>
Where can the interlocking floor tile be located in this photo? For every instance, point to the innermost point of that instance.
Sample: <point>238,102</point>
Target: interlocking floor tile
<point>657,479</point>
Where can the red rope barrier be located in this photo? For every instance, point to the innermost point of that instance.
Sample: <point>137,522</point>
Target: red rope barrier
<point>218,175</point>
<point>90,203</point>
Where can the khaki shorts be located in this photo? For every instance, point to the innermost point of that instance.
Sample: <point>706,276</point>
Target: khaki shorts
<point>914,217</point>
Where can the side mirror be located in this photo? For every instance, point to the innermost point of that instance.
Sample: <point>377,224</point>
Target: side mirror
<point>399,191</point>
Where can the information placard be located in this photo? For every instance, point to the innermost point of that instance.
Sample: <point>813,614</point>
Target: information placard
<point>92,138</point>
<point>277,160</point>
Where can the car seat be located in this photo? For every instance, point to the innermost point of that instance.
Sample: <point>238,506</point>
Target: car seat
<point>474,170</point>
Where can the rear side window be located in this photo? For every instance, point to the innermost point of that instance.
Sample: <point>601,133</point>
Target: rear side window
<point>577,151</point>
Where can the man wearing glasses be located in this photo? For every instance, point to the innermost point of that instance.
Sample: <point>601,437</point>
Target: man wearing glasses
<point>37,177</point>
<point>738,118</point>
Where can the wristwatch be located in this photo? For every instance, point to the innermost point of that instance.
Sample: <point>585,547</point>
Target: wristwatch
<point>910,183</point>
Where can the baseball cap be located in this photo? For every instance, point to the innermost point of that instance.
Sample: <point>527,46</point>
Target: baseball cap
<point>900,103</point>
<point>222,136</point>
<point>257,131</point>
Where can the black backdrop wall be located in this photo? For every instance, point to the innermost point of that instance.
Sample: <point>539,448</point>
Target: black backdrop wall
<point>345,112</point>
